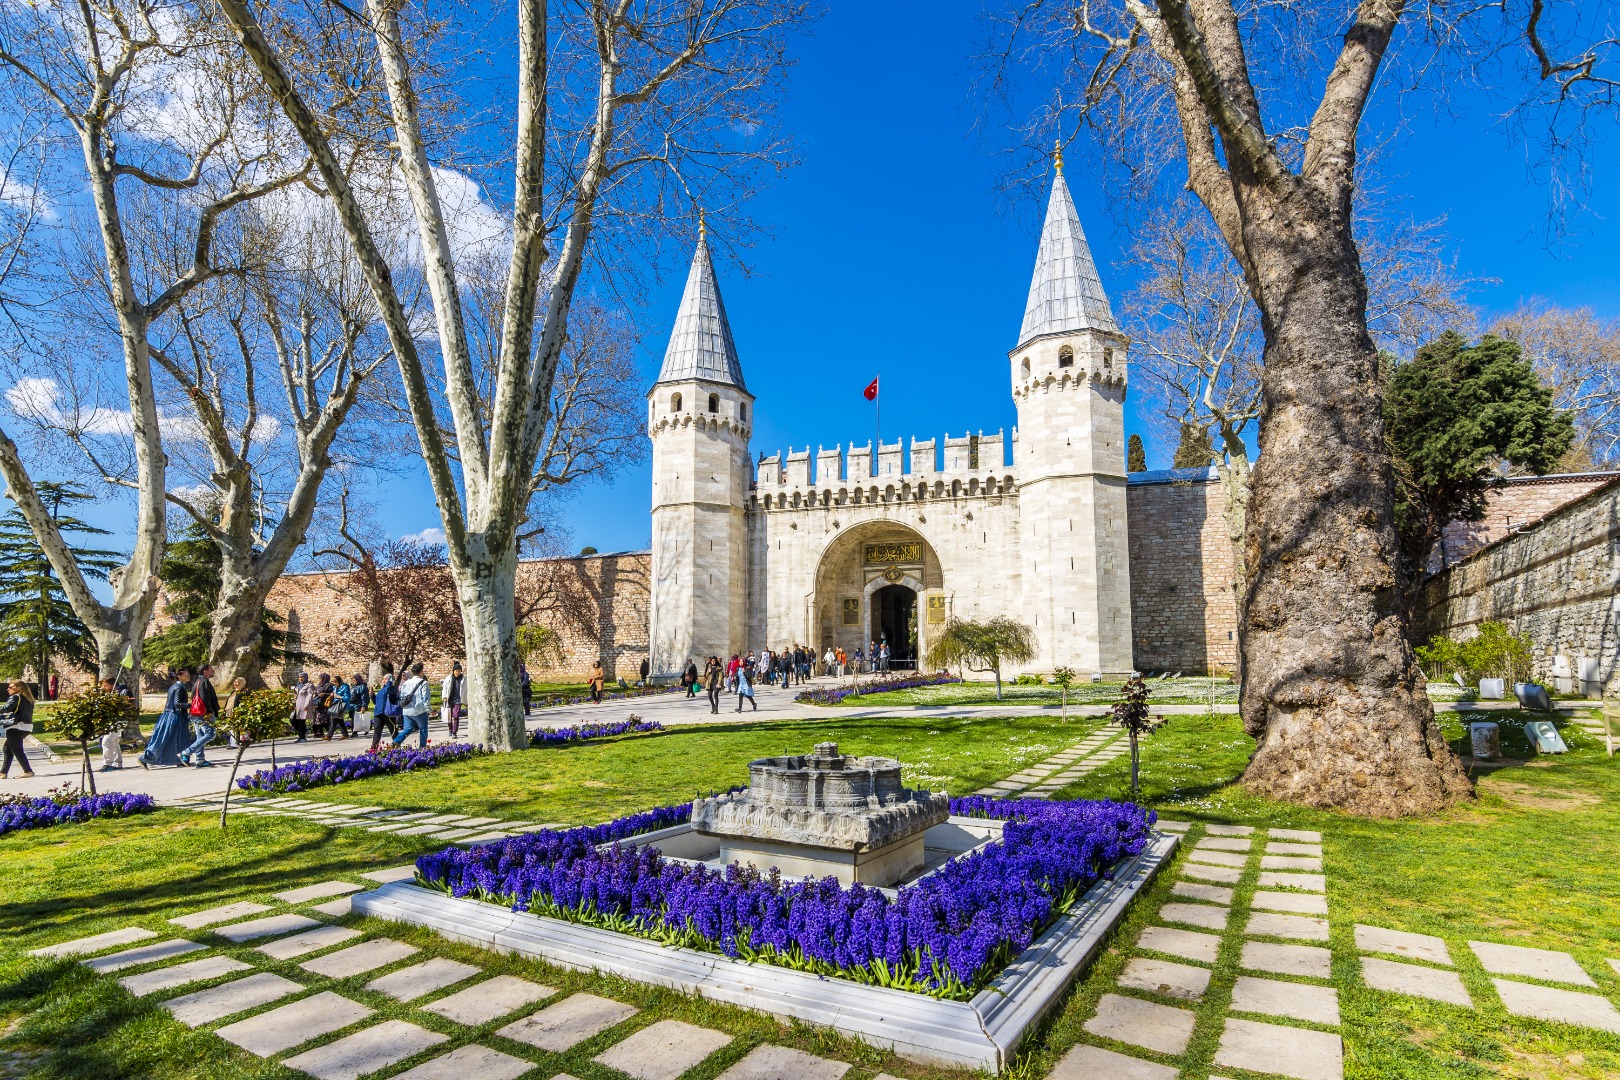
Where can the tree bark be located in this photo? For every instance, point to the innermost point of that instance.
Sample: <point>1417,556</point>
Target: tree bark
<point>494,699</point>
<point>1331,689</point>
<point>89,773</point>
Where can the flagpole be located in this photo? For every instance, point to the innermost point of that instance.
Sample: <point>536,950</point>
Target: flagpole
<point>877,409</point>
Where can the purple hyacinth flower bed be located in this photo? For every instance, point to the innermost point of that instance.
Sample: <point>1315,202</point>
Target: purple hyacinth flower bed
<point>23,813</point>
<point>587,732</point>
<point>319,772</point>
<point>832,695</point>
<point>945,935</point>
<point>552,701</point>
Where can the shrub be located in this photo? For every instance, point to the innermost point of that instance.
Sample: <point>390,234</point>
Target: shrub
<point>1495,652</point>
<point>89,714</point>
<point>259,716</point>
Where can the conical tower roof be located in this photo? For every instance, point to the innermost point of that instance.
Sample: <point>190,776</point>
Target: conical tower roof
<point>700,347</point>
<point>1066,294</point>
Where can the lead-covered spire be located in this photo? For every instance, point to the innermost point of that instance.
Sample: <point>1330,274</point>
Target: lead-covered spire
<point>700,347</point>
<point>1065,294</point>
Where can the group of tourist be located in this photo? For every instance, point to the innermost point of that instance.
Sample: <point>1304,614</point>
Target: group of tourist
<point>190,719</point>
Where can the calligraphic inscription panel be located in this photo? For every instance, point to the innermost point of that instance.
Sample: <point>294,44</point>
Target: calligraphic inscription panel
<point>909,551</point>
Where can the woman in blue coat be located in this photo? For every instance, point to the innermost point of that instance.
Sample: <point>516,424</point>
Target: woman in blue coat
<point>172,732</point>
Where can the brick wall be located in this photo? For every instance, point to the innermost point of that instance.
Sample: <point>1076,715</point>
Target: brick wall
<point>1556,582</point>
<point>610,624</point>
<point>1183,617</point>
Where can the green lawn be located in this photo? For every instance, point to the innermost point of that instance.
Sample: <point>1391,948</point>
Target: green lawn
<point>1188,690</point>
<point>1531,861</point>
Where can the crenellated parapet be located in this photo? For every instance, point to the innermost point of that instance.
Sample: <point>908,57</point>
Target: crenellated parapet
<point>704,422</point>
<point>975,466</point>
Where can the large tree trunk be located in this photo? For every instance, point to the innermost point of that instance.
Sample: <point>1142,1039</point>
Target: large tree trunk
<point>494,700</point>
<point>1331,690</point>
<point>239,630</point>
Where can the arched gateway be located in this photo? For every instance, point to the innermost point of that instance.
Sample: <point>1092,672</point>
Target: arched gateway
<point>880,581</point>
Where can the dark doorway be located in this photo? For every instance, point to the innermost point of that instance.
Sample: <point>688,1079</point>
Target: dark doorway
<point>894,620</point>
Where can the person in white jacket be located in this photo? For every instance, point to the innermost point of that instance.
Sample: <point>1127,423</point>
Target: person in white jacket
<point>453,699</point>
<point>416,702</point>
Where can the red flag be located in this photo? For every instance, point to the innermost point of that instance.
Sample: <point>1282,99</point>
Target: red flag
<point>871,391</point>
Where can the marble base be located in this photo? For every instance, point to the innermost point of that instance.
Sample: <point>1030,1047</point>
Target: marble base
<point>880,867</point>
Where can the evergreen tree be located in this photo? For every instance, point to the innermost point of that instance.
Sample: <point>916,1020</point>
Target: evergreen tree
<point>1135,455</point>
<point>191,578</point>
<point>37,623</point>
<point>1195,451</point>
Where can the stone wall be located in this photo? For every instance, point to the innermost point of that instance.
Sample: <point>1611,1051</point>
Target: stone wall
<point>1554,582</point>
<point>1183,615</point>
<point>1520,502</point>
<point>610,623</point>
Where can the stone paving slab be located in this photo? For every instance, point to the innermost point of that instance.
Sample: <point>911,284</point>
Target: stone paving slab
<point>1306,835</point>
<point>780,1063</point>
<point>662,1051</point>
<point>1299,1001</point>
<point>1229,830</point>
<point>1289,862</point>
<point>1164,977</point>
<point>1213,894</point>
<point>1292,903</point>
<point>87,945</point>
<point>1307,882</point>
<point>569,1022</point>
<point>1311,960</point>
<point>1285,1051</point>
<point>1173,826</point>
<point>1223,843</point>
<point>211,967</point>
<point>1551,1003</point>
<point>357,959</point>
<point>1532,963</point>
<point>419,980</point>
<point>266,927</point>
<point>1230,875</point>
<point>1616,965</point>
<point>227,999</point>
<point>1414,980</point>
<point>1187,944</point>
<point>320,938</point>
<point>1402,943</point>
<point>457,833</point>
<point>366,1051</point>
<point>393,873</point>
<point>294,1024</point>
<point>318,891</point>
<point>1204,915</point>
<point>482,1002</point>
<point>481,837</point>
<point>472,1062</point>
<point>1094,1063</point>
<point>1300,927</point>
<point>335,908</point>
<point>142,954</point>
<point>1312,850</point>
<point>466,823</point>
<point>1142,1023</point>
<point>421,830</point>
<point>1219,858</point>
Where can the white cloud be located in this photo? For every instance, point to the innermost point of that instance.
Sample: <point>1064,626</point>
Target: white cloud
<point>433,537</point>
<point>39,399</point>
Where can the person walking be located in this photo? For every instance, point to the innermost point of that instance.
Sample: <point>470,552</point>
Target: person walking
<point>451,699</point>
<point>646,669</point>
<point>303,706</point>
<point>745,690</point>
<point>359,704</point>
<point>831,660</point>
<point>172,732</point>
<point>17,718</point>
<point>204,709</point>
<point>597,677</point>
<point>415,703</point>
<point>689,677</point>
<point>526,687</point>
<point>385,709</point>
<point>713,676</point>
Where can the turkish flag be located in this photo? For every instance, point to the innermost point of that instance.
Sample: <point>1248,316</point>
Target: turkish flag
<point>871,391</point>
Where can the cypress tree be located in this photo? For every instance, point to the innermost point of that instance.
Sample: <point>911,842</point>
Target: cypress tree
<point>1135,455</point>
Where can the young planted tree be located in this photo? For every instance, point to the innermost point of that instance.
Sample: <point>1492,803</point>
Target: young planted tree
<point>1454,413</point>
<point>153,118</point>
<point>1131,713</point>
<point>259,716</point>
<point>1063,678</point>
<point>618,105</point>
<point>984,646</point>
<point>37,623</point>
<point>86,716</point>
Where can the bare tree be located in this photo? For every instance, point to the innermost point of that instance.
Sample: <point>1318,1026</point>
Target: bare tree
<point>1577,354</point>
<point>618,106</point>
<point>1331,691</point>
<point>152,111</point>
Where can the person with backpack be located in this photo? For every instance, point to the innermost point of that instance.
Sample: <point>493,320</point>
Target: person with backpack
<point>415,702</point>
<point>204,709</point>
<point>386,711</point>
<point>453,698</point>
<point>690,678</point>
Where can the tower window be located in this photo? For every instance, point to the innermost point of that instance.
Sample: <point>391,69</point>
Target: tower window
<point>1065,357</point>
<point>1108,358</point>
<point>714,402</point>
<point>1025,367</point>
<point>742,411</point>
<point>675,403</point>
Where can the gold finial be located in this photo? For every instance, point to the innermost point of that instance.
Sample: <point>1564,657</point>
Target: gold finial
<point>703,227</point>
<point>1057,154</point>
